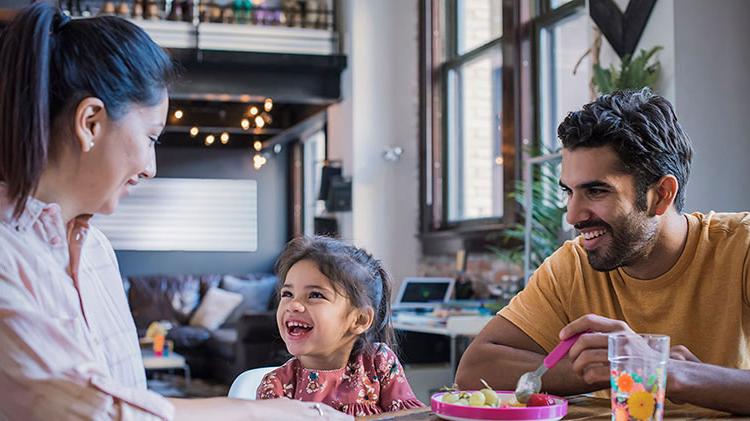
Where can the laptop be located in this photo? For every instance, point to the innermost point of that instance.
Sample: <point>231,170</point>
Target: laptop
<point>423,293</point>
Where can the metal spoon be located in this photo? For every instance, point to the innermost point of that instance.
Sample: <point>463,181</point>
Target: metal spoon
<point>531,382</point>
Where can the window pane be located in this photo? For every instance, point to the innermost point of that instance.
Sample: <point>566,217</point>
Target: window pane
<point>557,3</point>
<point>561,46</point>
<point>475,170</point>
<point>478,21</point>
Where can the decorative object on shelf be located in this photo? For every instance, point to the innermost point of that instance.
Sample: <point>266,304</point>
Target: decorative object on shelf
<point>393,153</point>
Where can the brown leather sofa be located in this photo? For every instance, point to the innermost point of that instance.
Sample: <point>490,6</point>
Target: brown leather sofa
<point>251,340</point>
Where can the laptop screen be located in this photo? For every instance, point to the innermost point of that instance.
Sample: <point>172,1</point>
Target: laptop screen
<point>424,292</point>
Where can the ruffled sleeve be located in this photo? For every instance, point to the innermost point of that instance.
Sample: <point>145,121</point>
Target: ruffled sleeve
<point>395,392</point>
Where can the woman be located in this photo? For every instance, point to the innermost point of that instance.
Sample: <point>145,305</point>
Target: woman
<point>82,104</point>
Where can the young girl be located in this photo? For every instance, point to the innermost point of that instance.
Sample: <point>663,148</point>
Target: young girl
<point>334,316</point>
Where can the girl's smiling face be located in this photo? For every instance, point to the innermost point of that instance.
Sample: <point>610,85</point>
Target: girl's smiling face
<point>317,323</point>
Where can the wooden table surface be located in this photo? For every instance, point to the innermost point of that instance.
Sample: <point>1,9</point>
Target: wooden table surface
<point>580,407</point>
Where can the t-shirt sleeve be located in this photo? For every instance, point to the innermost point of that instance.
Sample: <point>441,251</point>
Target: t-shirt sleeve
<point>539,310</point>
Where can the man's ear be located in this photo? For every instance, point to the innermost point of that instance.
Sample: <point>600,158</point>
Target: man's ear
<point>663,194</point>
<point>88,123</point>
<point>363,320</point>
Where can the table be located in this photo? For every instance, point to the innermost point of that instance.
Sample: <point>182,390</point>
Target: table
<point>580,407</point>
<point>174,361</point>
<point>452,326</point>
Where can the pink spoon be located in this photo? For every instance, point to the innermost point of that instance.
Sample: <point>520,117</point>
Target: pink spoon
<point>531,382</point>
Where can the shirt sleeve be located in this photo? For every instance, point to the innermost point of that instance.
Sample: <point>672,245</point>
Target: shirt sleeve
<point>539,310</point>
<point>44,375</point>
<point>395,392</point>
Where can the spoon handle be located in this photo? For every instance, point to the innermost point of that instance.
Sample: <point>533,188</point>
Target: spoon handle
<point>560,351</point>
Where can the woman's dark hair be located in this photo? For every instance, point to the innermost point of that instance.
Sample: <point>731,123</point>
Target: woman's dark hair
<point>642,129</point>
<point>355,274</point>
<point>50,63</point>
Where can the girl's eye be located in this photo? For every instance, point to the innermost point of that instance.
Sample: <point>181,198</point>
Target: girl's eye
<point>316,294</point>
<point>286,294</point>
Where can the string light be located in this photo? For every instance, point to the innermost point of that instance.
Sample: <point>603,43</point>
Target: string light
<point>245,124</point>
<point>259,122</point>
<point>253,110</point>
<point>259,161</point>
<point>178,114</point>
<point>210,140</point>
<point>268,105</point>
<point>224,138</point>
<point>258,145</point>
<point>194,131</point>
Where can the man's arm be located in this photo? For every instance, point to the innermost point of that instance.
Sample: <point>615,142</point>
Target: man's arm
<point>502,352</point>
<point>688,380</point>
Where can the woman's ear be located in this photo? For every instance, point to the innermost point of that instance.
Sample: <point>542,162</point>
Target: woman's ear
<point>363,320</point>
<point>89,119</point>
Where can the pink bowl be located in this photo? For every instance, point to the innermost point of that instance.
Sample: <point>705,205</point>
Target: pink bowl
<point>454,412</point>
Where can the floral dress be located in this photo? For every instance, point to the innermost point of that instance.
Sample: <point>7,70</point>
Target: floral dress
<point>370,384</point>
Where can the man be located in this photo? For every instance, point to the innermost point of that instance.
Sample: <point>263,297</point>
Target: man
<point>639,265</point>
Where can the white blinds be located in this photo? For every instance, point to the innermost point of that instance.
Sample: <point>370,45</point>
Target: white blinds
<point>185,214</point>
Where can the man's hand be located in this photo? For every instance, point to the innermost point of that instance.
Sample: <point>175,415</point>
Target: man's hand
<point>589,354</point>
<point>680,352</point>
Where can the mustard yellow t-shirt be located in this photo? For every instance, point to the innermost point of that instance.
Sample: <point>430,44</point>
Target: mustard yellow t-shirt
<point>702,302</point>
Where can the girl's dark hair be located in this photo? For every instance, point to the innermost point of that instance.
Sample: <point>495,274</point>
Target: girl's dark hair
<point>354,274</point>
<point>50,63</point>
<point>643,130</point>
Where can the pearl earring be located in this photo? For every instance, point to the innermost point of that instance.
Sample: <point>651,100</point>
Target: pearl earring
<point>91,144</point>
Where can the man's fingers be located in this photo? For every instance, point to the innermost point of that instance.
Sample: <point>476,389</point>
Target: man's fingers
<point>589,359</point>
<point>588,341</point>
<point>594,323</point>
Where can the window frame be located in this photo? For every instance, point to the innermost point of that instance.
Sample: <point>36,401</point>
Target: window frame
<point>520,104</point>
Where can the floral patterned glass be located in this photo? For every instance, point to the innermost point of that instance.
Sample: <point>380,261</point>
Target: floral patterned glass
<point>638,373</point>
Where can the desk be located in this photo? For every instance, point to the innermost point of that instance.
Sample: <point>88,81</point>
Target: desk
<point>453,327</point>
<point>580,407</point>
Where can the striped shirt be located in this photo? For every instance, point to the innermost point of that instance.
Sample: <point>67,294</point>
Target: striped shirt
<point>68,344</point>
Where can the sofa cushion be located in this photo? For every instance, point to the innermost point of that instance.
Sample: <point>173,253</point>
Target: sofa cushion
<point>222,343</point>
<point>188,336</point>
<point>256,294</point>
<point>215,307</point>
<point>163,297</point>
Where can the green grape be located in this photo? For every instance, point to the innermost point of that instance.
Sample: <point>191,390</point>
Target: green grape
<point>450,398</point>
<point>476,399</point>
<point>463,402</point>
<point>490,397</point>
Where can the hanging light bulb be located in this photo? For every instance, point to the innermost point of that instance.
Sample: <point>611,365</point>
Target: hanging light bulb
<point>245,123</point>
<point>178,114</point>
<point>253,110</point>
<point>258,145</point>
<point>224,138</point>
<point>194,131</point>
<point>209,140</point>
<point>259,122</point>
<point>268,105</point>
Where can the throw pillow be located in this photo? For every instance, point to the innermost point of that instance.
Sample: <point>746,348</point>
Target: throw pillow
<point>256,294</point>
<point>217,304</point>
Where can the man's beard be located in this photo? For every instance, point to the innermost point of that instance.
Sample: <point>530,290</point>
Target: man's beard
<point>631,239</point>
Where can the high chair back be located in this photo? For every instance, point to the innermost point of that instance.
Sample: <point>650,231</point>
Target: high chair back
<point>246,384</point>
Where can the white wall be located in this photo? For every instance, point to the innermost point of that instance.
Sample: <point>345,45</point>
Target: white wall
<point>380,109</point>
<point>712,64</point>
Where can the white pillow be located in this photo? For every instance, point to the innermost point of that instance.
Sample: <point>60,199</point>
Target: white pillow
<point>215,307</point>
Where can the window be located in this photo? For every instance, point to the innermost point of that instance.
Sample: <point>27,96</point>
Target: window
<point>562,43</point>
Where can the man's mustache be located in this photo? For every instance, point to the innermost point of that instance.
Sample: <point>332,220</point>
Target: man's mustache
<point>591,224</point>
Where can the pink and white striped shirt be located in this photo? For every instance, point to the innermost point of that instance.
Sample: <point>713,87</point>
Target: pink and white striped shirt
<point>68,344</point>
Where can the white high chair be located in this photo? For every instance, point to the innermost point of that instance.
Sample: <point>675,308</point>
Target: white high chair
<point>246,384</point>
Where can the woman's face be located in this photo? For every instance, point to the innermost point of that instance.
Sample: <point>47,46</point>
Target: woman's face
<point>122,154</point>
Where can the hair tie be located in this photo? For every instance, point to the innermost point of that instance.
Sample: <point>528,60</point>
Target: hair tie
<point>60,21</point>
